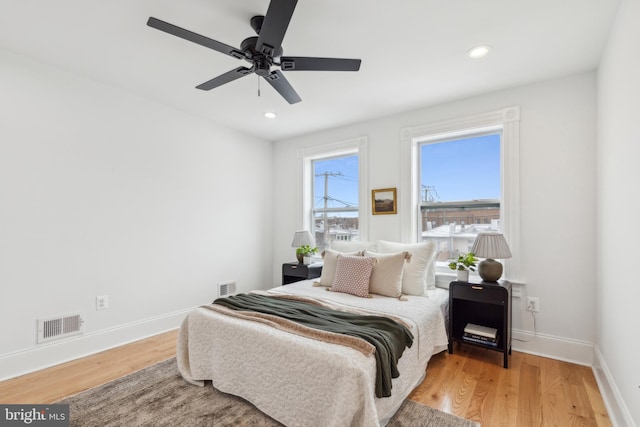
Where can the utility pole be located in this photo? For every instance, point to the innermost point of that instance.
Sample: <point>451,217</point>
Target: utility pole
<point>430,193</point>
<point>325,215</point>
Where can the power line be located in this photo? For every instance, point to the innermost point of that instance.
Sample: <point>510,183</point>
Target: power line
<point>333,199</point>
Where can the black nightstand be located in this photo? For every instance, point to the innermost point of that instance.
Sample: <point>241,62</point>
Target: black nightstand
<point>294,272</point>
<point>485,304</point>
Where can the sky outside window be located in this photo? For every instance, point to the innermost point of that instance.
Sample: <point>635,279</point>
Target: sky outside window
<point>459,169</point>
<point>342,182</point>
<point>462,169</point>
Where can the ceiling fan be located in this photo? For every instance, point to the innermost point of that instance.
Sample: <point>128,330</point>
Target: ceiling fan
<point>263,51</point>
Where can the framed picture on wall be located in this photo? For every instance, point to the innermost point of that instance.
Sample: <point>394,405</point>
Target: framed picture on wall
<point>384,201</point>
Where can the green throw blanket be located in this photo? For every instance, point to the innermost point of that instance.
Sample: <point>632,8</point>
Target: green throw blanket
<point>389,337</point>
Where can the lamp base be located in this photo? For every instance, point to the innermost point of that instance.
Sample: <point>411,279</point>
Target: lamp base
<point>300,258</point>
<point>490,270</point>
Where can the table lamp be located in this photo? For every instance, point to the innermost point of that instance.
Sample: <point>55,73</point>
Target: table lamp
<point>302,238</point>
<point>490,245</point>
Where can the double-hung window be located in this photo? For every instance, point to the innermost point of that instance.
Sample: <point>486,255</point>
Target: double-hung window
<point>463,179</point>
<point>333,192</point>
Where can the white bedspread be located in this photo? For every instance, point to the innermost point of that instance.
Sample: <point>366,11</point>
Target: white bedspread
<point>303,382</point>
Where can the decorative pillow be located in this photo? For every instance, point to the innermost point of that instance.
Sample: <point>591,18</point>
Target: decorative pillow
<point>348,246</point>
<point>330,258</point>
<point>414,272</point>
<point>386,276</point>
<point>352,275</point>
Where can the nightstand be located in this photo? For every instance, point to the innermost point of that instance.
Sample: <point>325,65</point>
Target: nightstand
<point>485,304</point>
<point>294,272</point>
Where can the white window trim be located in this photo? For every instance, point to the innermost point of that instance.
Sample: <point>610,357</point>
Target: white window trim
<point>306,156</point>
<point>509,120</point>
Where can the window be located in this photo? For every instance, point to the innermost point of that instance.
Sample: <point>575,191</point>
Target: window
<point>463,178</point>
<point>460,190</point>
<point>334,200</point>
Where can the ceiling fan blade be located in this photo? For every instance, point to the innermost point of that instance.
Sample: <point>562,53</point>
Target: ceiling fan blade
<point>225,78</point>
<point>195,38</point>
<point>281,84</point>
<point>301,63</point>
<point>275,25</point>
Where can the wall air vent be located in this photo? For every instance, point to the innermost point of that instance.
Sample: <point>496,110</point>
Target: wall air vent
<point>55,328</point>
<point>227,288</point>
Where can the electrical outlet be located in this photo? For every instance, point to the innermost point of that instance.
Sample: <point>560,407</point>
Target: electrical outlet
<point>533,304</point>
<point>102,302</point>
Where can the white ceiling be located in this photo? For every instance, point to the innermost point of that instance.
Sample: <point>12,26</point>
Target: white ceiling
<point>412,51</point>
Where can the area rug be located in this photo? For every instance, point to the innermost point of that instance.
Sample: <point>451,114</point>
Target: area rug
<point>158,396</point>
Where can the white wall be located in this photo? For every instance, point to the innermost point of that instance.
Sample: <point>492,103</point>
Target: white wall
<point>106,193</point>
<point>618,291</point>
<point>557,152</point>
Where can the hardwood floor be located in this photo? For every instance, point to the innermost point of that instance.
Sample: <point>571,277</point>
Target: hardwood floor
<point>471,383</point>
<point>67,379</point>
<point>535,391</point>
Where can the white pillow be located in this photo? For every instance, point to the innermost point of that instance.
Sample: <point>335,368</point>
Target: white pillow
<point>386,277</point>
<point>348,246</point>
<point>415,271</point>
<point>330,259</point>
<point>431,270</point>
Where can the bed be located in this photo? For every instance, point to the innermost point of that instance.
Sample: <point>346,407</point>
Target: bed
<point>302,381</point>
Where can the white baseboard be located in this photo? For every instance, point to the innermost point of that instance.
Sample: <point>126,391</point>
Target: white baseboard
<point>618,412</point>
<point>560,348</point>
<point>53,353</point>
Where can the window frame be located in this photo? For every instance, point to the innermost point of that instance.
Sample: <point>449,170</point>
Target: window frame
<point>306,156</point>
<point>508,121</point>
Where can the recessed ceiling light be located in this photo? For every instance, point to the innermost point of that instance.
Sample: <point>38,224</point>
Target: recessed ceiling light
<point>478,52</point>
<point>270,115</point>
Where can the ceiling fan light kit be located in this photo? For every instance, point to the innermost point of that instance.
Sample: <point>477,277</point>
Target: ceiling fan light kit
<point>263,52</point>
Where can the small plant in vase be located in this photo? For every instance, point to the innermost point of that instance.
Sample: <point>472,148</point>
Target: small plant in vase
<point>305,251</point>
<point>463,264</point>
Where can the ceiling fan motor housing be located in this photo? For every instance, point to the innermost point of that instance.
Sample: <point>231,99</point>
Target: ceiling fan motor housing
<point>261,63</point>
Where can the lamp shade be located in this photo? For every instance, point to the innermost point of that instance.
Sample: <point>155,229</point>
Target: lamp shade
<point>491,245</point>
<point>302,238</point>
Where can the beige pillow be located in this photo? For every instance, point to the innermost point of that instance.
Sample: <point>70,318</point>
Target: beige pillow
<point>352,275</point>
<point>414,272</point>
<point>386,277</point>
<point>330,258</point>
